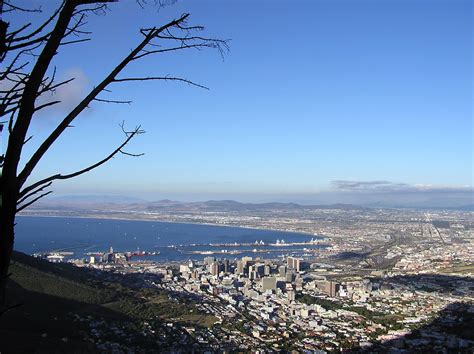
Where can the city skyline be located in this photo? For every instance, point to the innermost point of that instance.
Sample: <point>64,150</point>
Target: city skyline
<point>359,93</point>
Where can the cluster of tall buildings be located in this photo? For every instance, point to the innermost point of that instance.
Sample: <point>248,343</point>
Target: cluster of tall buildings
<point>270,275</point>
<point>254,268</point>
<point>294,263</point>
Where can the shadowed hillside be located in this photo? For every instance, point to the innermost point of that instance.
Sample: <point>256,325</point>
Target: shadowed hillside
<point>451,331</point>
<point>62,308</point>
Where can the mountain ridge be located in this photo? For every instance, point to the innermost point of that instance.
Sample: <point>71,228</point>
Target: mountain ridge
<point>210,205</point>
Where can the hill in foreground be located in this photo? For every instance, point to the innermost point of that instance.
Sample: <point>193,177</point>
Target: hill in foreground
<point>62,308</point>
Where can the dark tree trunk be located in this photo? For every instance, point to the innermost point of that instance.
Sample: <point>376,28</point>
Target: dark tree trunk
<point>6,248</point>
<point>21,106</point>
<point>7,224</point>
<point>9,194</point>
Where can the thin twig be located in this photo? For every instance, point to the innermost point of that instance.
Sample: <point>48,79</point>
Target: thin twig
<point>18,209</point>
<point>163,78</point>
<point>112,101</point>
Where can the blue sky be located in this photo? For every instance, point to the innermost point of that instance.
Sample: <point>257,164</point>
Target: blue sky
<point>310,93</point>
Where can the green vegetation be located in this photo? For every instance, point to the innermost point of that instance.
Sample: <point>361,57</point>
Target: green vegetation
<point>463,269</point>
<point>325,303</point>
<point>389,321</point>
<point>36,280</point>
<point>69,282</point>
<point>426,288</point>
<point>60,302</point>
<point>369,314</point>
<point>392,322</point>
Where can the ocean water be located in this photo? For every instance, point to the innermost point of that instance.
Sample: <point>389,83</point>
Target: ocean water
<point>174,241</point>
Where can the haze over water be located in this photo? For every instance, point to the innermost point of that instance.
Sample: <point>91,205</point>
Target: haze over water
<point>82,235</point>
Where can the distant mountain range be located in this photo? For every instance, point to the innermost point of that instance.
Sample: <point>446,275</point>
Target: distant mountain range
<point>231,205</point>
<point>124,203</point>
<point>129,203</point>
<point>469,207</point>
<point>95,199</point>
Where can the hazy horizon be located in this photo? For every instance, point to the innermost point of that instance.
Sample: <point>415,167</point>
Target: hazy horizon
<point>388,196</point>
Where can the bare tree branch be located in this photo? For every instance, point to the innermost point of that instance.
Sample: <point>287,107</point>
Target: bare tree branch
<point>88,99</point>
<point>84,170</point>
<point>149,52</point>
<point>129,154</point>
<point>163,78</point>
<point>97,9</point>
<point>32,85</point>
<point>29,138</point>
<point>17,8</point>
<point>112,101</point>
<point>47,104</point>
<point>75,41</point>
<point>29,195</point>
<point>11,36</point>
<point>20,208</point>
<point>9,69</point>
<point>21,29</point>
<point>52,88</point>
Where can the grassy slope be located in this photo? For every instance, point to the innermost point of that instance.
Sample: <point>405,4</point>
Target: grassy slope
<point>43,320</point>
<point>51,294</point>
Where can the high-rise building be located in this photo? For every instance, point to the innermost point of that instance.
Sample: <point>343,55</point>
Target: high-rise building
<point>259,268</point>
<point>282,271</point>
<point>299,282</point>
<point>214,268</point>
<point>226,266</point>
<point>240,267</point>
<point>328,287</point>
<point>209,260</point>
<point>253,275</point>
<point>183,268</point>
<point>333,288</point>
<point>246,260</point>
<point>294,263</point>
<point>269,283</point>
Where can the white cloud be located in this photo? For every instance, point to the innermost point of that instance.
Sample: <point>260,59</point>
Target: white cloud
<point>69,94</point>
<point>389,187</point>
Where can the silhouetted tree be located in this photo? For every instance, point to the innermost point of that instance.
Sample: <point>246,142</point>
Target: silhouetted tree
<point>26,54</point>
